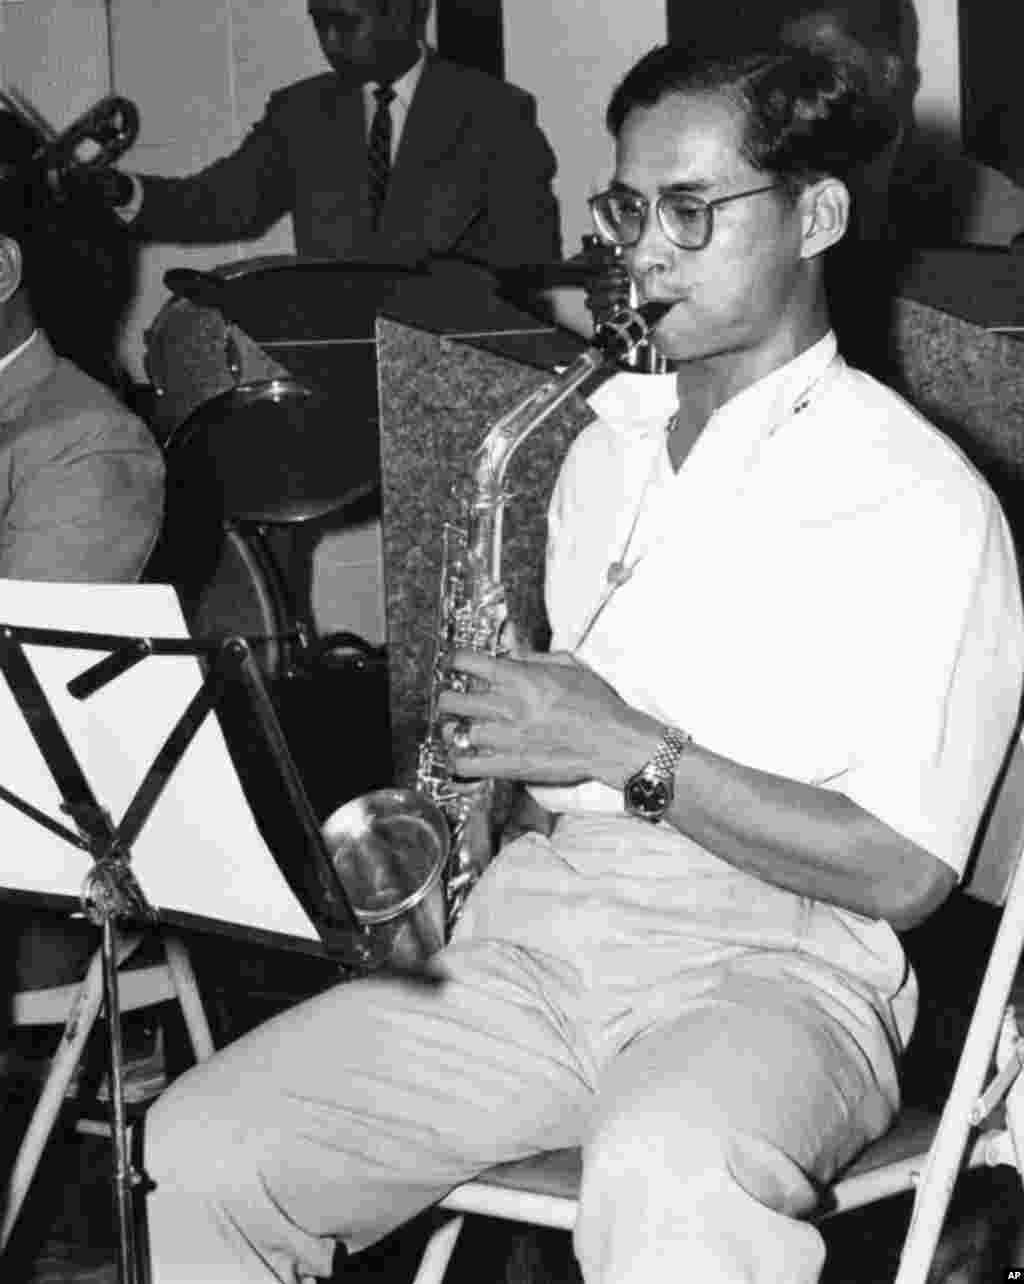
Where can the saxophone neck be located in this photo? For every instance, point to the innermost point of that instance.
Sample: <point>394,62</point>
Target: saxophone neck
<point>614,340</point>
<point>622,333</point>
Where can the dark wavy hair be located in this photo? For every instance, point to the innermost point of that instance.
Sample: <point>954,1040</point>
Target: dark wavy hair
<point>805,115</point>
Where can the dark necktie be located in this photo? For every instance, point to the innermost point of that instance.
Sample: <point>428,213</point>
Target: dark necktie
<point>379,150</point>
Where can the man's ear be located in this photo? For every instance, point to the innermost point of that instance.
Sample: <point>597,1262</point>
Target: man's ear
<point>10,268</point>
<point>825,206</point>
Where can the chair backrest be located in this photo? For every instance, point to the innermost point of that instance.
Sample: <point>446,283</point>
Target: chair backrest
<point>1001,835</point>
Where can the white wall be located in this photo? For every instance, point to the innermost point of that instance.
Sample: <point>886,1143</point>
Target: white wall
<point>55,52</point>
<point>570,54</point>
<point>201,72</point>
<point>938,100</point>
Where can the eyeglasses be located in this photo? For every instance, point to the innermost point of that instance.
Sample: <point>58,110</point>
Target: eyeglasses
<point>688,221</point>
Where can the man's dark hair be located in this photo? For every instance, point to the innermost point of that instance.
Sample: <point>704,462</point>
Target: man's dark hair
<point>78,263</point>
<point>885,30</point>
<point>804,115</point>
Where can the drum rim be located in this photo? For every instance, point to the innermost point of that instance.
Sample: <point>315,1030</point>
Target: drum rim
<point>283,262</point>
<point>249,392</point>
<point>229,401</point>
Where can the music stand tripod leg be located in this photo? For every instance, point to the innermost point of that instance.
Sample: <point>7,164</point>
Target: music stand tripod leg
<point>85,1008</point>
<point>125,1177</point>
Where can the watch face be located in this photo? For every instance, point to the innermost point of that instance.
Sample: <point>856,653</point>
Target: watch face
<point>646,796</point>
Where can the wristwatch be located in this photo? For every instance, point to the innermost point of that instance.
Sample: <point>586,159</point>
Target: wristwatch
<point>648,793</point>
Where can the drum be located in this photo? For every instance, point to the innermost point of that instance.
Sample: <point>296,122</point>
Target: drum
<point>265,318</point>
<point>264,458</point>
<point>270,451</point>
<point>245,594</point>
<point>250,475</point>
<point>331,697</point>
<point>192,355</point>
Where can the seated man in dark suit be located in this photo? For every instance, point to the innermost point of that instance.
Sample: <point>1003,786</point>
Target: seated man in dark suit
<point>81,478</point>
<point>471,172</point>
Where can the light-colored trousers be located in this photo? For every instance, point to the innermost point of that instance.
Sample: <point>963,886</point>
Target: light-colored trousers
<point>677,1023</point>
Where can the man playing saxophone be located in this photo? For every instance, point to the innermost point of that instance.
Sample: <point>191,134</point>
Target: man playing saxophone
<point>787,646</point>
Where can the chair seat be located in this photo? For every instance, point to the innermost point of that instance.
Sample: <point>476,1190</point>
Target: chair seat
<point>138,988</point>
<point>911,1135</point>
<point>553,1177</point>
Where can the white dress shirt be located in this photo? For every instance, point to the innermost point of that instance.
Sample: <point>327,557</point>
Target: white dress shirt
<point>830,595</point>
<point>827,591</point>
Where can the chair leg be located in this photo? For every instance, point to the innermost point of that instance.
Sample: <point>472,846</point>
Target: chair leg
<point>944,1160</point>
<point>81,1019</point>
<point>180,966</point>
<point>85,1008</point>
<point>1009,1056</point>
<point>438,1252</point>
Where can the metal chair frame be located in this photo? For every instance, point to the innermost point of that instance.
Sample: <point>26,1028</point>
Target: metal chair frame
<point>78,1006</point>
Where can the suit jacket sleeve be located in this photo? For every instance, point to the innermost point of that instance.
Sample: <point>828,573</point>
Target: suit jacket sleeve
<point>519,221</point>
<point>86,500</point>
<point>236,198</point>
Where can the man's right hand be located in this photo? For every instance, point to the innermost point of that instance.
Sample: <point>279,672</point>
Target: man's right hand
<point>105,186</point>
<point>607,290</point>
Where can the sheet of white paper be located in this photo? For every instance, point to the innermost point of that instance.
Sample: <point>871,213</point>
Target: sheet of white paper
<point>200,852</point>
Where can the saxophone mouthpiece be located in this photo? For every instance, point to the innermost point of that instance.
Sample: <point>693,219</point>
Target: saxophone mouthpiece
<point>626,329</point>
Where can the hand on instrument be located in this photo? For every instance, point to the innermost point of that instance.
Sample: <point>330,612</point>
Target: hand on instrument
<point>542,718</point>
<point>106,187</point>
<point>607,290</point>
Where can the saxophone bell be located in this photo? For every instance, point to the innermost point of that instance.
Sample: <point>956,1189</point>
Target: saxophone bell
<point>390,849</point>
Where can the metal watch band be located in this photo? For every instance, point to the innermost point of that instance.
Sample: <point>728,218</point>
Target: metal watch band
<point>667,755</point>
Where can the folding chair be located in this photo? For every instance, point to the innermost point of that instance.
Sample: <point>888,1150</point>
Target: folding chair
<point>981,1123</point>
<point>77,1007</point>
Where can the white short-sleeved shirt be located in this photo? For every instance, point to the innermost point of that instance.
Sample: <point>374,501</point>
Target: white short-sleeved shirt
<point>826,590</point>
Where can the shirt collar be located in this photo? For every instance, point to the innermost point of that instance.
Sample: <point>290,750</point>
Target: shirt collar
<point>638,403</point>
<point>770,400</point>
<point>643,403</point>
<point>404,86</point>
<point>15,353</point>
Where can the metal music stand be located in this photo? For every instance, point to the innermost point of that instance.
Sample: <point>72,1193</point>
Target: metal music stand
<point>111,891</point>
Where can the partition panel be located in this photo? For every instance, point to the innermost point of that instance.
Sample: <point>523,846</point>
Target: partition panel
<point>438,397</point>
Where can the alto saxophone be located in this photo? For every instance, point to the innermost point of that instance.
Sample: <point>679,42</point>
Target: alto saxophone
<point>472,609</point>
<point>407,858</point>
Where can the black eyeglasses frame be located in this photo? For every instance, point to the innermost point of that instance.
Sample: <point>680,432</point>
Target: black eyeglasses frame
<point>707,208</point>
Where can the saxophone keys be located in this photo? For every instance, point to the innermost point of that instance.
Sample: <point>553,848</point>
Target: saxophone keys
<point>462,737</point>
